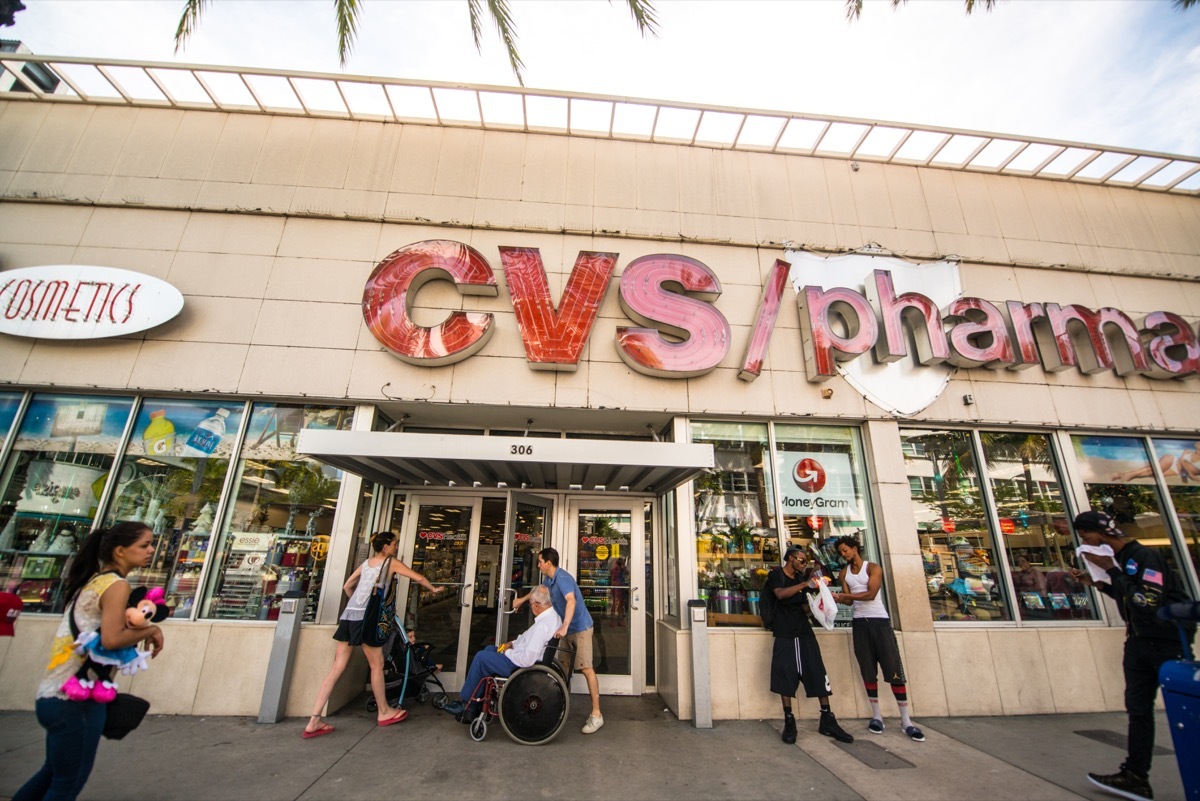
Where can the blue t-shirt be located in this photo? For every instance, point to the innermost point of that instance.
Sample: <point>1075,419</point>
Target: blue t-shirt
<point>561,586</point>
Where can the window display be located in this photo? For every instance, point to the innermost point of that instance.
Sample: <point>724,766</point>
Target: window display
<point>1120,481</point>
<point>275,537</point>
<point>171,480</point>
<point>1179,460</point>
<point>736,537</point>
<point>957,545</point>
<point>55,476</point>
<point>1035,527</point>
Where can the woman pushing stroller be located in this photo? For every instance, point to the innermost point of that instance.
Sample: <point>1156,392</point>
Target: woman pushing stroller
<point>350,633</point>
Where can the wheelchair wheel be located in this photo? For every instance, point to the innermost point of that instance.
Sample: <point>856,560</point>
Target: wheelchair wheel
<point>533,705</point>
<point>439,700</point>
<point>422,694</point>
<point>478,729</point>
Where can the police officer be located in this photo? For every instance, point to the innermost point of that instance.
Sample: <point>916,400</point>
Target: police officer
<point>1141,583</point>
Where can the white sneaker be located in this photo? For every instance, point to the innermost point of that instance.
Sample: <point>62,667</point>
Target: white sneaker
<point>593,724</point>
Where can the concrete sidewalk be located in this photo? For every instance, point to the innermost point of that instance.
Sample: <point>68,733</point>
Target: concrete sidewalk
<point>642,752</point>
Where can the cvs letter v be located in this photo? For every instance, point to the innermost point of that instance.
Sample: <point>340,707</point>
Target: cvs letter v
<point>554,340</point>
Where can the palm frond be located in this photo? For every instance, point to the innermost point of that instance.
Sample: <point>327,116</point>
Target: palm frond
<point>476,24</point>
<point>646,18</point>
<point>988,5</point>
<point>187,23</point>
<point>853,9</point>
<point>1183,5</point>
<point>347,12</point>
<point>508,34</point>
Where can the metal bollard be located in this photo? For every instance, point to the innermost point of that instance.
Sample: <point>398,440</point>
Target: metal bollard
<point>283,656</point>
<point>702,697</point>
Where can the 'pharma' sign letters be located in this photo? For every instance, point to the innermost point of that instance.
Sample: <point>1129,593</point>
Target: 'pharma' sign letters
<point>674,295</point>
<point>76,301</point>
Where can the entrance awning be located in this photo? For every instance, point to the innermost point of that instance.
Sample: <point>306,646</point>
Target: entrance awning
<point>447,460</point>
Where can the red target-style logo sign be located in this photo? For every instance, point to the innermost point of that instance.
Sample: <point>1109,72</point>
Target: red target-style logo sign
<point>809,475</point>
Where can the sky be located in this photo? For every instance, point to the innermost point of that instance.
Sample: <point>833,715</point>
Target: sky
<point>1118,73</point>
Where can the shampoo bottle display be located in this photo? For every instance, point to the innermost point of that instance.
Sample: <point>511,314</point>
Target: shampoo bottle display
<point>207,436</point>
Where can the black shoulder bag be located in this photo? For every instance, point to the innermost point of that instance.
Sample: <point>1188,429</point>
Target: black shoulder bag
<point>379,619</point>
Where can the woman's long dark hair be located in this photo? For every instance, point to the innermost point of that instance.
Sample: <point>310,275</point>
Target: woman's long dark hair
<point>97,550</point>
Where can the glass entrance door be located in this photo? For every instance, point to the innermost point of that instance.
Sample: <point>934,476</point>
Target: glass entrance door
<point>526,533</point>
<point>606,550</point>
<point>441,541</point>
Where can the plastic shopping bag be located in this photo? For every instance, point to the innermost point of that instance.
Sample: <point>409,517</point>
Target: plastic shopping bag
<point>822,605</point>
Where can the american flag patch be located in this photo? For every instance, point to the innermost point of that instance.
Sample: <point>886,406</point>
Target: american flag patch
<point>1152,577</point>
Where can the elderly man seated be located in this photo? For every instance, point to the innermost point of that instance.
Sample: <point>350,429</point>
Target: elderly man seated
<point>522,652</point>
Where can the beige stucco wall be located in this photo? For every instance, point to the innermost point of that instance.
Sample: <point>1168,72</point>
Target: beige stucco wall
<point>950,671</point>
<point>269,226</point>
<point>205,668</point>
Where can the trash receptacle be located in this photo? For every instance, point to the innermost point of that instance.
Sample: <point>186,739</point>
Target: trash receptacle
<point>1180,680</point>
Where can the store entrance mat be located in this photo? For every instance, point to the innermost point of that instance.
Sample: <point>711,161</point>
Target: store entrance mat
<point>1117,740</point>
<point>874,756</point>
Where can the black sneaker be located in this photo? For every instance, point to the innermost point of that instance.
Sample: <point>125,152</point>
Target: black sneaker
<point>830,728</point>
<point>789,729</point>
<point>1123,783</point>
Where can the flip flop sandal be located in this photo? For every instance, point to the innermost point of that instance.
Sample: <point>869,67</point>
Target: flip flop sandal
<point>325,729</point>
<point>389,721</point>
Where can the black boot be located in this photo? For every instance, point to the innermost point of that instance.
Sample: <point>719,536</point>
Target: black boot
<point>789,728</point>
<point>830,728</point>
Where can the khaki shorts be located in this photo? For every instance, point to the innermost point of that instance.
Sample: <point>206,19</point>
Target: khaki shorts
<point>582,640</point>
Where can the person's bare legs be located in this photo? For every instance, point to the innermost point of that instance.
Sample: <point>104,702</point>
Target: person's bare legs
<point>589,675</point>
<point>341,658</point>
<point>384,710</point>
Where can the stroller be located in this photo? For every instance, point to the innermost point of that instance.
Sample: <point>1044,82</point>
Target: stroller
<point>406,675</point>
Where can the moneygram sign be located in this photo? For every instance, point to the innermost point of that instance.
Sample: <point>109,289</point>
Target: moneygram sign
<point>679,330</point>
<point>818,484</point>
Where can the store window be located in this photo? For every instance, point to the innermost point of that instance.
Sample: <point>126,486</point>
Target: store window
<point>1179,461</point>
<point>823,489</point>
<point>737,539</point>
<point>670,548</point>
<point>957,545</point>
<point>276,532</point>
<point>171,479</point>
<point>1120,481</point>
<point>1035,527</point>
<point>62,454</point>
<point>10,404</point>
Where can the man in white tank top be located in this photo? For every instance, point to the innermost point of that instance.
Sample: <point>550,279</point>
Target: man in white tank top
<point>874,641</point>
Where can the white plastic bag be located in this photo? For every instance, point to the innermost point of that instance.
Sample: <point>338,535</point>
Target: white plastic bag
<point>822,605</point>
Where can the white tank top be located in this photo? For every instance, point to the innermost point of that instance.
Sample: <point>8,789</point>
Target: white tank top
<point>356,607</point>
<point>858,583</point>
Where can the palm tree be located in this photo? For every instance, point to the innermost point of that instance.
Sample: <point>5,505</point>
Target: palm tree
<point>346,12</point>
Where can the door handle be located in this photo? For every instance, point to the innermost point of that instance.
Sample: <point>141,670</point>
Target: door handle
<point>636,599</point>
<point>510,609</point>
<point>464,596</point>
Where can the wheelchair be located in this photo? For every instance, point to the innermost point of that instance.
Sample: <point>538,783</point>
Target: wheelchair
<point>532,704</point>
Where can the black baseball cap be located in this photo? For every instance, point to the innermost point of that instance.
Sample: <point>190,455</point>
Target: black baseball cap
<point>1098,521</point>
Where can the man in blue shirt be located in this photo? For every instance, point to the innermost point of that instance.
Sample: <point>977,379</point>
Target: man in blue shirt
<point>576,626</point>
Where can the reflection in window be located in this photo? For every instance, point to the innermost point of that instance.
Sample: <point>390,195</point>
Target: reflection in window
<point>1119,480</point>
<point>1179,460</point>
<point>736,537</point>
<point>62,455</point>
<point>1035,527</point>
<point>822,482</point>
<point>957,547</point>
<point>10,404</point>
<point>171,480</point>
<point>275,537</point>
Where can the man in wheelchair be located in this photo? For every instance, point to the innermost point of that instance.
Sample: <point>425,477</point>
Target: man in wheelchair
<point>502,661</point>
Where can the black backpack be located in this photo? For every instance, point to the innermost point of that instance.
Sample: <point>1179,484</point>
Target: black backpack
<point>767,602</point>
